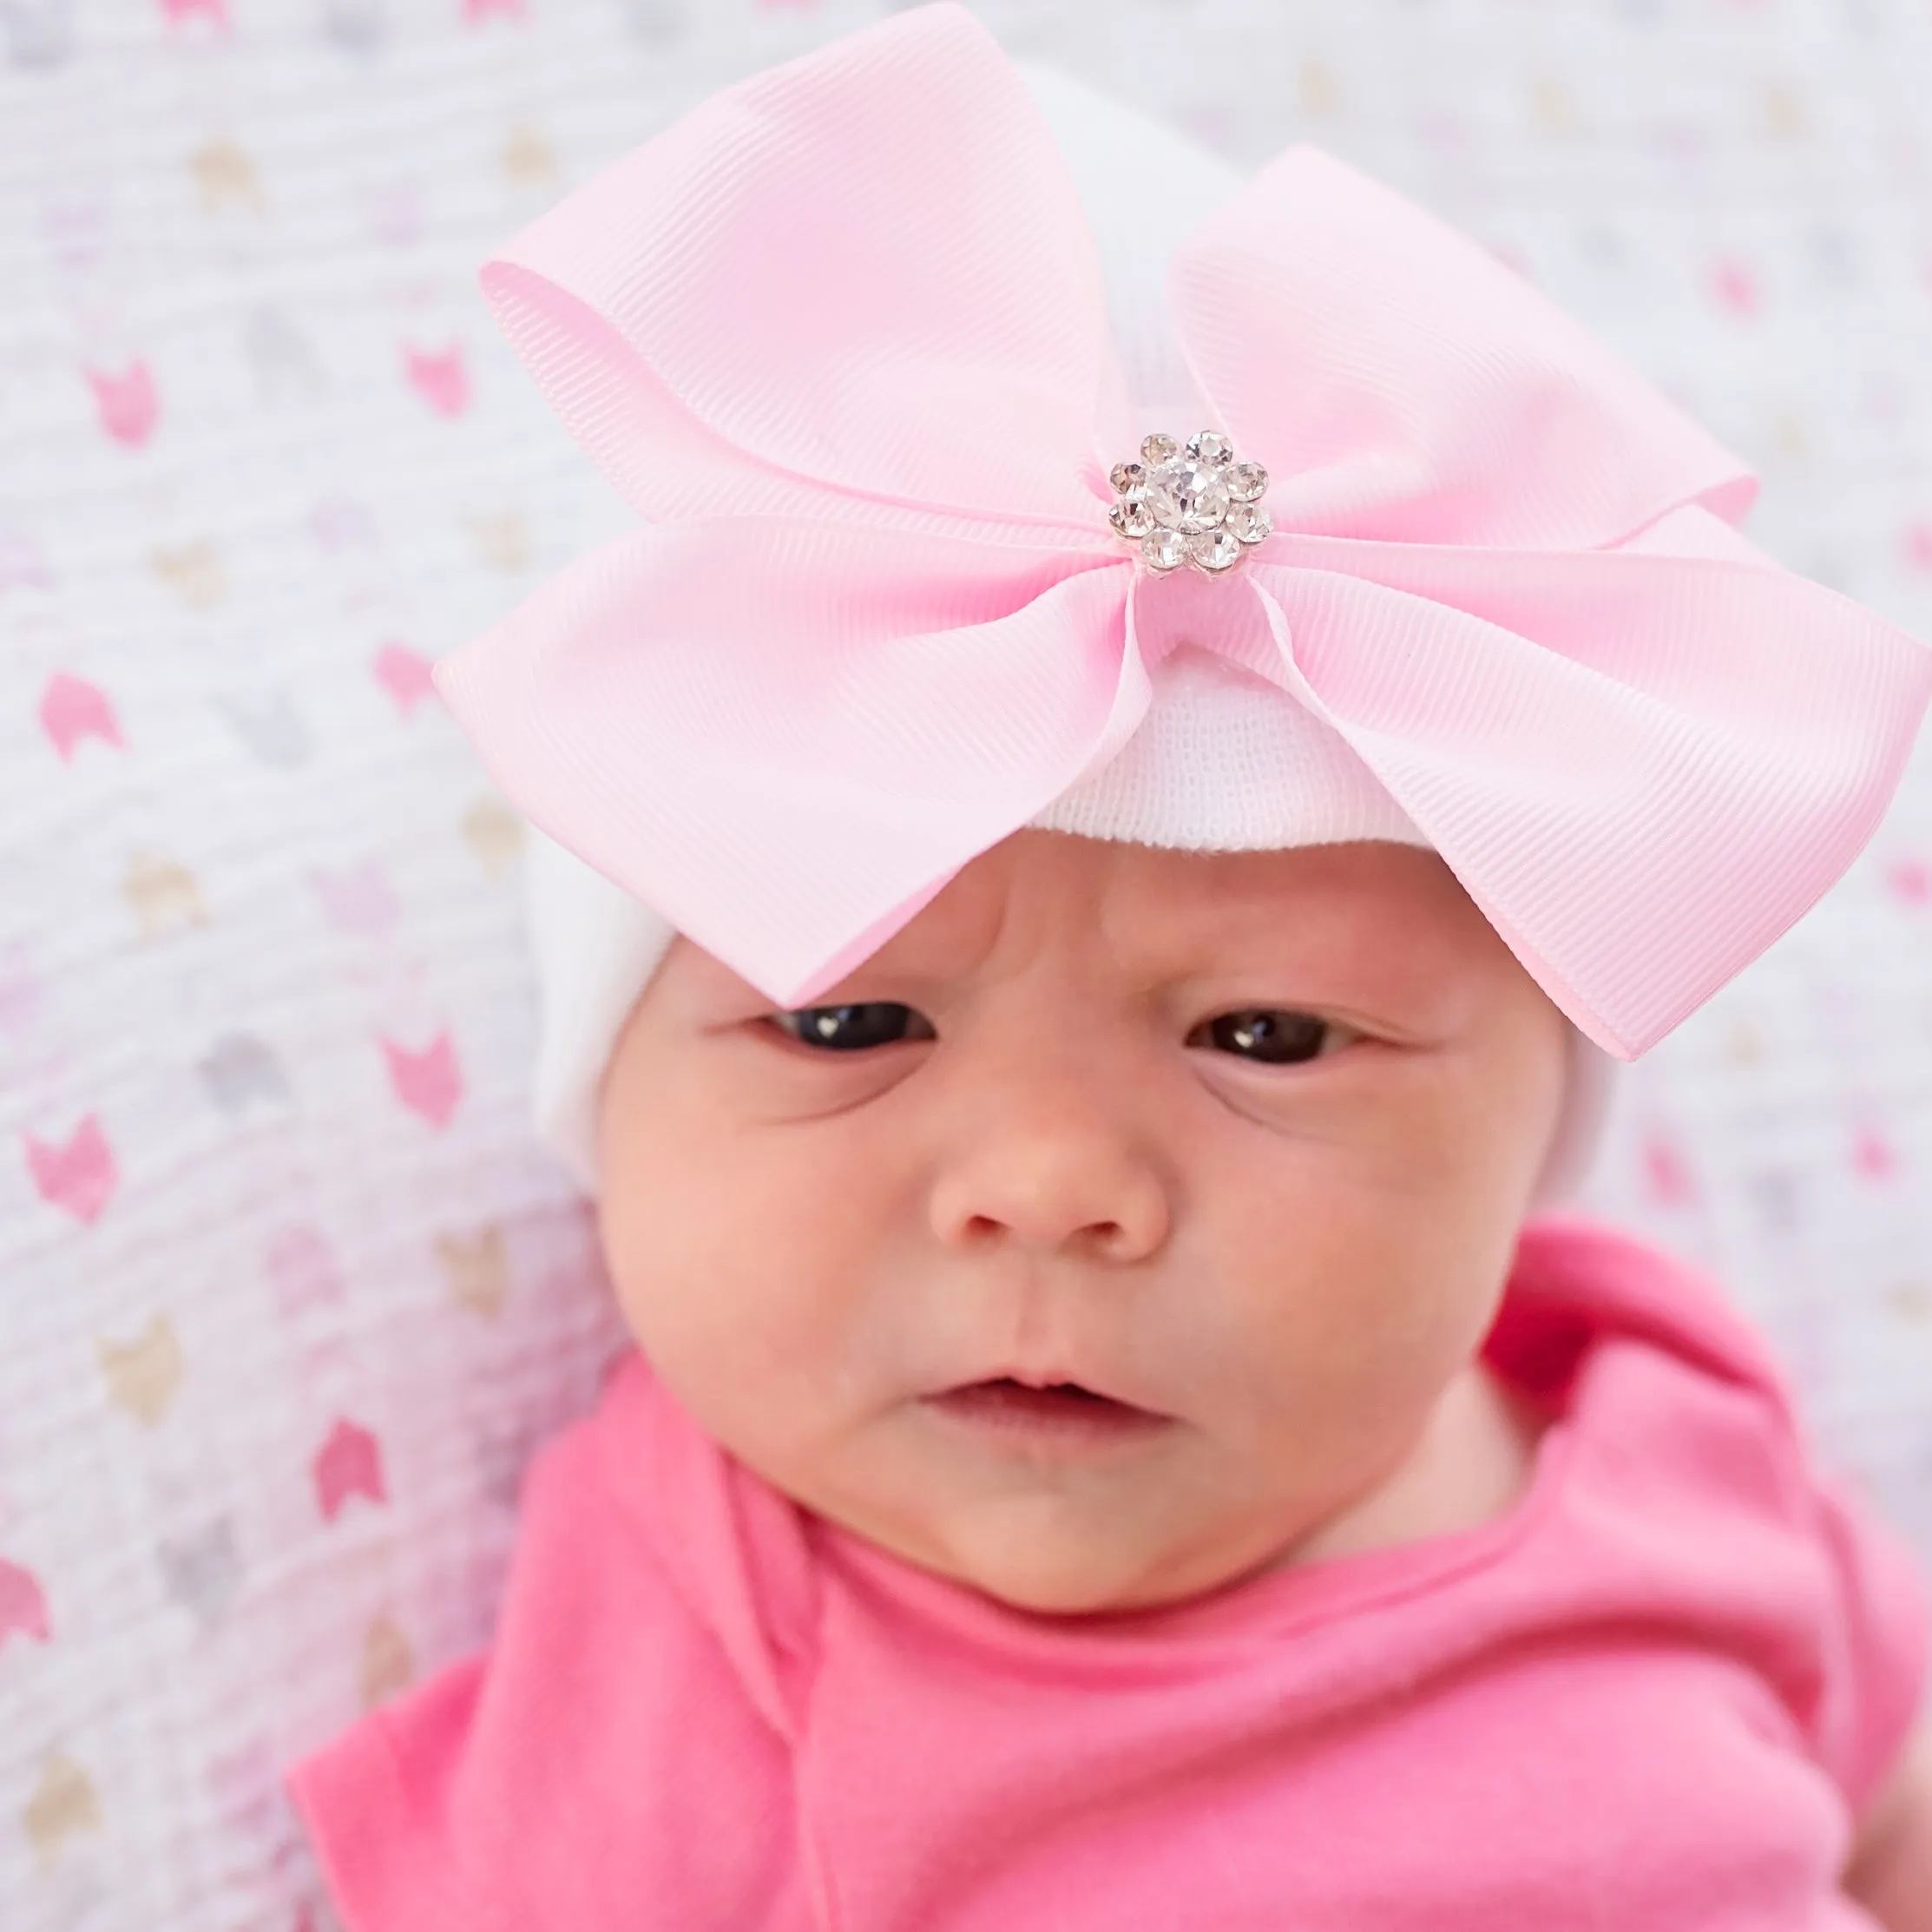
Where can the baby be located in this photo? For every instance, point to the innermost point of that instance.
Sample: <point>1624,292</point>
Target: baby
<point>1076,979</point>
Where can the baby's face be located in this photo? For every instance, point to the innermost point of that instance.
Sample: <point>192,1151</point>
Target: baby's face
<point>1112,1228</point>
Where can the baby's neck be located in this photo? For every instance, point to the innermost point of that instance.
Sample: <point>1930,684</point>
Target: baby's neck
<point>1471,1463</point>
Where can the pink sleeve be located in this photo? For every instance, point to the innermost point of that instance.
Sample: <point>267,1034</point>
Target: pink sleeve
<point>1876,1648</point>
<point>384,1864</point>
<point>601,1762</point>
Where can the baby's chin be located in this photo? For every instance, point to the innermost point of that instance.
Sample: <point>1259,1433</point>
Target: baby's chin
<point>1044,1556</point>
<point>1053,1524</point>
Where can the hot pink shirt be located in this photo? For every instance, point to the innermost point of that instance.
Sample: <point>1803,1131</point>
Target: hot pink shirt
<point>1652,1695</point>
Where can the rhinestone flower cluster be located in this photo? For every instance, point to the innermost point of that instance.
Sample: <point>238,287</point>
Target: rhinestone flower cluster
<point>1189,503</point>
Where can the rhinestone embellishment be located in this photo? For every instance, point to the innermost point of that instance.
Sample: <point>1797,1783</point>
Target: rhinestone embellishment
<point>1189,503</point>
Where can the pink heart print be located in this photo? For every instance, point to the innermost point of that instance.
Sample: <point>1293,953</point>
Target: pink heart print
<point>20,993</point>
<point>71,709</point>
<point>127,403</point>
<point>1668,1174</point>
<point>23,1605</point>
<point>79,1175</point>
<point>1736,288</point>
<point>302,1269</point>
<point>1873,1156</point>
<point>341,523</point>
<point>441,379</point>
<point>350,1463</point>
<point>428,1082</point>
<point>22,564</point>
<point>1910,879</point>
<point>358,900</point>
<point>406,676</point>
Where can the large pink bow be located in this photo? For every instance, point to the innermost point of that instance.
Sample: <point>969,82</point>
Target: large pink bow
<point>840,337</point>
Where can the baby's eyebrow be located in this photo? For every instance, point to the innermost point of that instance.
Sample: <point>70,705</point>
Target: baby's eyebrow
<point>1189,940</point>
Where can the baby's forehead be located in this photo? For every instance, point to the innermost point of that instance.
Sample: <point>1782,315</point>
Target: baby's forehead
<point>1161,910</point>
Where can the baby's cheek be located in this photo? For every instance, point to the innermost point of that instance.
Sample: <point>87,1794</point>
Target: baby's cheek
<point>1357,1302</point>
<point>735,1273</point>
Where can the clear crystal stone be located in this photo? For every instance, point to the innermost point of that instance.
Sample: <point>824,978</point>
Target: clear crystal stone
<point>1250,523</point>
<point>1126,475</point>
<point>1158,447</point>
<point>1187,494</point>
<point>1213,549</point>
<point>1209,447</point>
<point>1131,516</point>
<point>1164,550</point>
<point>1245,481</point>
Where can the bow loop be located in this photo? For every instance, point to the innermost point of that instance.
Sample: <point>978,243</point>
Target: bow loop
<point>786,735</point>
<point>1400,384</point>
<point>1640,766</point>
<point>863,275</point>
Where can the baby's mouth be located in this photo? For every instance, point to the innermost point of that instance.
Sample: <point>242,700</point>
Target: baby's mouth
<point>1063,1413</point>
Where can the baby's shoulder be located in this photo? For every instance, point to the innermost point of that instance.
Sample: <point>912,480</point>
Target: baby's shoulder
<point>1675,1414</point>
<point>1578,1286</point>
<point>623,1638</point>
<point>1693,1497</point>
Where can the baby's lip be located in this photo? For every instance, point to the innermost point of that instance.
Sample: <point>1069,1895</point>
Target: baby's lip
<point>1056,1376</point>
<point>1045,1407</point>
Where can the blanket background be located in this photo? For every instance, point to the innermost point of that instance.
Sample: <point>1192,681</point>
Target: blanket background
<point>287,1291</point>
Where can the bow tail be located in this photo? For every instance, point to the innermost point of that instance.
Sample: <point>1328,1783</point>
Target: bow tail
<point>785,736</point>
<point>1643,768</point>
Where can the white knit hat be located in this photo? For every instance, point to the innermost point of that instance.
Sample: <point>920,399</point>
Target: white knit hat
<point>1222,761</point>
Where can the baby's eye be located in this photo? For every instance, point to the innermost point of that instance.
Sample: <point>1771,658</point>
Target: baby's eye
<point>850,1029</point>
<point>1267,1034</point>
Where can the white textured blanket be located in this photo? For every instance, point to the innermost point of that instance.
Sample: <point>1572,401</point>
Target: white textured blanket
<point>287,1291</point>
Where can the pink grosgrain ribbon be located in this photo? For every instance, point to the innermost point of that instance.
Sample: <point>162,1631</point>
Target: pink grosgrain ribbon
<point>840,337</point>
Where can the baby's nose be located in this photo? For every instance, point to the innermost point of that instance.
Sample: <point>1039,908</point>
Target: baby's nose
<point>1053,1176</point>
